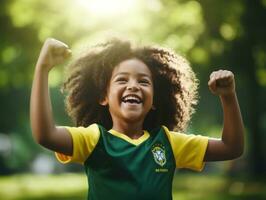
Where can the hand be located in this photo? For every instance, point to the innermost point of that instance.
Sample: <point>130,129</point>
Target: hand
<point>222,82</point>
<point>53,53</point>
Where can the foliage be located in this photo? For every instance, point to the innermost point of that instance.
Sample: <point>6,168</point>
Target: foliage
<point>185,187</point>
<point>211,34</point>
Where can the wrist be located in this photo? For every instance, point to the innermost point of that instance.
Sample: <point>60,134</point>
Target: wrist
<point>43,67</point>
<point>228,97</point>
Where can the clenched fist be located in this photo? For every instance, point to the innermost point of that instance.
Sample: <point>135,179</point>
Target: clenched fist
<point>222,82</point>
<point>53,52</point>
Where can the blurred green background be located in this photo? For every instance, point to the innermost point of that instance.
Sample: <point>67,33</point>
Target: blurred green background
<point>211,34</point>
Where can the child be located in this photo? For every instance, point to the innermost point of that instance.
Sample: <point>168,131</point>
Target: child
<point>125,102</point>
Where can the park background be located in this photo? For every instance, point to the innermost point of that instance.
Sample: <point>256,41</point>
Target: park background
<point>211,34</point>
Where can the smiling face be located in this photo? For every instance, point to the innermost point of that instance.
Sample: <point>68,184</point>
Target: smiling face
<point>130,92</point>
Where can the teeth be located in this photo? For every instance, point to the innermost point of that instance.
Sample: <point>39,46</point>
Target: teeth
<point>131,99</point>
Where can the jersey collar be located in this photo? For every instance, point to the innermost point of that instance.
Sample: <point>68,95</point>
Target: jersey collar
<point>135,142</point>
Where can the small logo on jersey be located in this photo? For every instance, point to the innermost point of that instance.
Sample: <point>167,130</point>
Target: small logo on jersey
<point>158,152</point>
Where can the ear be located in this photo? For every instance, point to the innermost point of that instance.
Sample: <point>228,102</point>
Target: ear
<point>104,102</point>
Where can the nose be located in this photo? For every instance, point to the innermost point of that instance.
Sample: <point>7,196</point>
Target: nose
<point>133,86</point>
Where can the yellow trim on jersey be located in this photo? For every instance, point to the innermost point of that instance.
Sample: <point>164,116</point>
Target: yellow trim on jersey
<point>136,142</point>
<point>189,150</point>
<point>84,141</point>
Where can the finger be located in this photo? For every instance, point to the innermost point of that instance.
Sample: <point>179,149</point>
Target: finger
<point>212,80</point>
<point>222,82</point>
<point>230,75</point>
<point>219,75</point>
<point>216,75</point>
<point>225,73</point>
<point>55,42</point>
<point>67,53</point>
<point>58,50</point>
<point>212,75</point>
<point>59,60</point>
<point>212,84</point>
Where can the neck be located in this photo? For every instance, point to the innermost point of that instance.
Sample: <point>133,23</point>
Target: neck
<point>132,130</point>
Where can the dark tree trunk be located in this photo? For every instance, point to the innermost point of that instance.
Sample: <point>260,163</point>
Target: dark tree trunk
<point>239,55</point>
<point>254,37</point>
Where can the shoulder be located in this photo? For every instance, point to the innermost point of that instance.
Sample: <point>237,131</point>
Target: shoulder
<point>180,137</point>
<point>188,149</point>
<point>84,140</point>
<point>85,137</point>
<point>173,134</point>
<point>93,128</point>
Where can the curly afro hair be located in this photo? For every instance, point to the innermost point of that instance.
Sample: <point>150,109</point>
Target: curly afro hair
<point>175,84</point>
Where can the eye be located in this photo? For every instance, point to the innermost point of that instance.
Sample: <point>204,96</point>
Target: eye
<point>144,82</point>
<point>121,80</point>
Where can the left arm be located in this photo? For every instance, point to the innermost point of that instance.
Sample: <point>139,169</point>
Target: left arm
<point>231,145</point>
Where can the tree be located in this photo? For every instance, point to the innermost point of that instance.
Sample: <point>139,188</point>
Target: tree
<point>211,34</point>
<point>245,52</point>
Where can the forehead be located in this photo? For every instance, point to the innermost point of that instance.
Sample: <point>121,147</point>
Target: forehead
<point>132,66</point>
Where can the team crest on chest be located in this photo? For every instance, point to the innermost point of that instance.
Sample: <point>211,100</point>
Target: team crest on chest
<point>158,152</point>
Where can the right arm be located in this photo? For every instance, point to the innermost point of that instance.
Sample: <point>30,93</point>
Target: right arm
<point>43,127</point>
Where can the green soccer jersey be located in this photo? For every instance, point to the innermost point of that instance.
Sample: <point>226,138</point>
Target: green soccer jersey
<point>120,168</point>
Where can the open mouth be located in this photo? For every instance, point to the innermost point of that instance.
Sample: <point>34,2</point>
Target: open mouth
<point>132,99</point>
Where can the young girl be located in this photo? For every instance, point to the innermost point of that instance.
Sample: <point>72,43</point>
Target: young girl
<point>125,102</point>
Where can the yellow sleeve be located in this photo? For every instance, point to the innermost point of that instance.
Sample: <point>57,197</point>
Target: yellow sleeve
<point>84,141</point>
<point>189,150</point>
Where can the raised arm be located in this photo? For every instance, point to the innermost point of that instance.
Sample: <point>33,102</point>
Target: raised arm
<point>231,144</point>
<point>43,127</point>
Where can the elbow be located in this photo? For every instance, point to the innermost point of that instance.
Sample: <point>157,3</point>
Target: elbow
<point>42,132</point>
<point>44,142</point>
<point>234,150</point>
<point>41,141</point>
<point>237,153</point>
<point>41,138</point>
<point>240,152</point>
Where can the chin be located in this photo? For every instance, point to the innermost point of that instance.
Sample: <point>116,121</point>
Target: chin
<point>133,118</point>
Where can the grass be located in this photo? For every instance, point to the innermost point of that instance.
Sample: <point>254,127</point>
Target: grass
<point>37,187</point>
<point>74,187</point>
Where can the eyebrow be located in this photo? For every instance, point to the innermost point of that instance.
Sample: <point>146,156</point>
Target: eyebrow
<point>126,73</point>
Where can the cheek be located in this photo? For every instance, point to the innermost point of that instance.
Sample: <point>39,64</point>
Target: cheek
<point>115,95</point>
<point>149,96</point>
